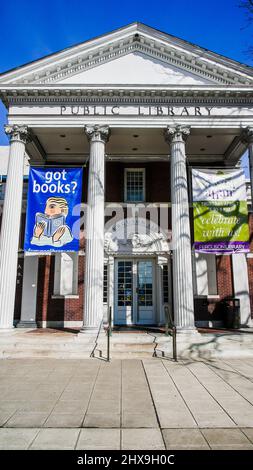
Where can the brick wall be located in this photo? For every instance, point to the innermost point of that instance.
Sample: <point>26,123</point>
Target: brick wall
<point>157,190</point>
<point>57,309</point>
<point>250,274</point>
<point>224,276</point>
<point>157,181</point>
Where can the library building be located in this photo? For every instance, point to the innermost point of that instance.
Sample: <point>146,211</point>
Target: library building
<point>123,188</point>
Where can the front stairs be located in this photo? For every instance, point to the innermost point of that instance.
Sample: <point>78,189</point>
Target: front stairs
<point>47,342</point>
<point>125,343</point>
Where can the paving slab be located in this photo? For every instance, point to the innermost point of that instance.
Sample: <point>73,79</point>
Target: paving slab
<point>104,407</point>
<point>74,407</point>
<point>202,404</point>
<point>16,439</point>
<point>26,419</point>
<point>135,419</point>
<point>249,433</point>
<point>227,439</point>
<point>138,410</point>
<point>133,397</point>
<point>102,420</point>
<point>52,439</point>
<point>64,420</point>
<point>184,439</point>
<point>170,406</point>
<point>237,407</point>
<point>238,382</point>
<point>142,439</point>
<point>99,439</point>
<point>35,406</point>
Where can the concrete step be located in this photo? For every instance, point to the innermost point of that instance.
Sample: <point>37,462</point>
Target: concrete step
<point>123,344</point>
<point>55,354</point>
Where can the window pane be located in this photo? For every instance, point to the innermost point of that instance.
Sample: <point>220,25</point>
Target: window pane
<point>124,283</point>
<point>165,284</point>
<point>135,186</point>
<point>105,287</point>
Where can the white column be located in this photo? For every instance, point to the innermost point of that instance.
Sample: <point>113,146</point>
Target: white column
<point>181,237</point>
<point>11,223</point>
<point>94,252</point>
<point>248,137</point>
<point>29,292</point>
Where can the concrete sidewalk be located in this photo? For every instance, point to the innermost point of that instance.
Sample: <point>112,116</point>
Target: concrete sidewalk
<point>126,404</point>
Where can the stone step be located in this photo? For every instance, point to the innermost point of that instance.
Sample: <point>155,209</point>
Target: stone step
<point>124,344</point>
<point>12,354</point>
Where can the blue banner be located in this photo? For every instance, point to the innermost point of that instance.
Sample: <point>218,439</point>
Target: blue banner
<point>53,209</point>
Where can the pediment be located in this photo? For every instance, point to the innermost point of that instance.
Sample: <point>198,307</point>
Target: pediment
<point>136,68</point>
<point>135,54</point>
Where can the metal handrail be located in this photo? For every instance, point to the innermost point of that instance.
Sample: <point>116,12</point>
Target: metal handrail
<point>109,333</point>
<point>92,354</point>
<point>170,327</point>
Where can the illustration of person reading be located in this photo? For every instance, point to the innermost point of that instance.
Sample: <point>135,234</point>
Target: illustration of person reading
<point>50,228</point>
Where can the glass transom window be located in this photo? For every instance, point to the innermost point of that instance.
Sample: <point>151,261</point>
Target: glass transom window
<point>135,185</point>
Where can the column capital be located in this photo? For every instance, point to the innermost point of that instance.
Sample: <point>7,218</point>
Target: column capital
<point>176,133</point>
<point>247,135</point>
<point>17,133</point>
<point>97,133</point>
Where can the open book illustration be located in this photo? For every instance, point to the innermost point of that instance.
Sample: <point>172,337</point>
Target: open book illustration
<point>52,223</point>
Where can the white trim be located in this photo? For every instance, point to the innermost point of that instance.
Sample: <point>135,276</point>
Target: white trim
<point>60,324</point>
<point>209,324</point>
<point>62,261</point>
<point>132,311</point>
<point>68,296</point>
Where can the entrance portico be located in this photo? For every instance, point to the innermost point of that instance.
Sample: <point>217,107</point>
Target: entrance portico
<point>117,126</point>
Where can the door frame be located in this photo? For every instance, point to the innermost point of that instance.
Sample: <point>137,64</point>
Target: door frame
<point>134,307</point>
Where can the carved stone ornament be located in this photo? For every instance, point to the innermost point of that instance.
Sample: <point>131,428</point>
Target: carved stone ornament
<point>176,133</point>
<point>17,133</point>
<point>97,132</point>
<point>137,243</point>
<point>247,135</point>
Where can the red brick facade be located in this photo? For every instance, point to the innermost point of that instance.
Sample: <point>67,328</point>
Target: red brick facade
<point>224,276</point>
<point>51,309</point>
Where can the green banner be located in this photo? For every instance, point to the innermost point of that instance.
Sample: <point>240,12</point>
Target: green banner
<point>220,212</point>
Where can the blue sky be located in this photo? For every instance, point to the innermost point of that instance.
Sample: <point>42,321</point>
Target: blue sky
<point>32,29</point>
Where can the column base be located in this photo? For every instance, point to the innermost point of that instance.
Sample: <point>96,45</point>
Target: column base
<point>192,330</point>
<point>89,330</point>
<point>27,324</point>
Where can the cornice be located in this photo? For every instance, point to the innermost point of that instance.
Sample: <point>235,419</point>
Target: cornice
<point>183,61</point>
<point>34,95</point>
<point>188,59</point>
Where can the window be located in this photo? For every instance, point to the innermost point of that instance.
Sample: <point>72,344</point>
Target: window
<point>205,274</point>
<point>165,284</point>
<point>66,274</point>
<point>105,285</point>
<point>134,184</point>
<point>125,283</point>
